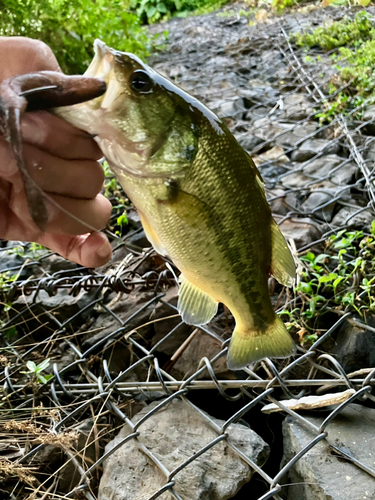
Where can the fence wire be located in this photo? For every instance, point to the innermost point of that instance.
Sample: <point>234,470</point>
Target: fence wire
<point>101,327</point>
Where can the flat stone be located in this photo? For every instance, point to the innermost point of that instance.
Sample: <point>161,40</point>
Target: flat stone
<point>312,147</point>
<point>267,129</point>
<point>275,154</point>
<point>326,165</point>
<point>303,231</point>
<point>173,434</point>
<point>361,221</point>
<point>322,475</point>
<point>290,139</point>
<point>297,107</point>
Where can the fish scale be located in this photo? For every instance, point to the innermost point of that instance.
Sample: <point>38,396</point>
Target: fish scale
<point>200,199</point>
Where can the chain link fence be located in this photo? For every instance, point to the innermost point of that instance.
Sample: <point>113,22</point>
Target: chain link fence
<point>114,336</point>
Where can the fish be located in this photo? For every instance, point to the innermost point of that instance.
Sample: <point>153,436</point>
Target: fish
<point>200,198</point>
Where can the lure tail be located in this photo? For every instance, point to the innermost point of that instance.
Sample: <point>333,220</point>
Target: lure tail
<point>249,346</point>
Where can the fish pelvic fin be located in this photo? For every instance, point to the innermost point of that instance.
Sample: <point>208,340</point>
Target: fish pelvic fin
<point>195,306</point>
<point>282,263</point>
<point>249,346</point>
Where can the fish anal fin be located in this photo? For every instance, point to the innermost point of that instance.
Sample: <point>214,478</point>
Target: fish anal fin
<point>195,306</point>
<point>282,262</point>
<point>151,235</point>
<point>246,347</point>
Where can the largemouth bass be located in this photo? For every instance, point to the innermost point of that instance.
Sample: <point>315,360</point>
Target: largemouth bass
<point>199,196</point>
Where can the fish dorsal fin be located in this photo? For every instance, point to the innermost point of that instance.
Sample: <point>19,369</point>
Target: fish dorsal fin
<point>151,235</point>
<point>282,263</point>
<point>195,306</point>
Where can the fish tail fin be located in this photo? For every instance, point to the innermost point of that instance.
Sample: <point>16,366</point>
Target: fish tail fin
<point>249,346</point>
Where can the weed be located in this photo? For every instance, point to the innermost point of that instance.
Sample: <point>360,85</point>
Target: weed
<point>354,61</point>
<point>339,279</point>
<point>35,371</point>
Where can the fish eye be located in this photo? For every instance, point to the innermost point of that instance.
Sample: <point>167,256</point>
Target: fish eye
<point>140,82</point>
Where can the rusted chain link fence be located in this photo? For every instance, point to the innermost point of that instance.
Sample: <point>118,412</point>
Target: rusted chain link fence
<point>114,336</point>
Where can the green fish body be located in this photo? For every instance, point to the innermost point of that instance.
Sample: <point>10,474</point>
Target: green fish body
<point>200,198</point>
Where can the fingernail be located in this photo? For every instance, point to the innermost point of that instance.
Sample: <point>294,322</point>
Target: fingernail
<point>105,251</point>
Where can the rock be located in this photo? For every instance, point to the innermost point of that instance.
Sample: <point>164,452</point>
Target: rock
<point>232,108</point>
<point>322,475</point>
<point>316,200</point>
<point>297,107</point>
<point>174,434</point>
<point>275,154</point>
<point>369,116</point>
<point>203,345</point>
<point>322,167</point>
<point>106,324</point>
<point>303,231</point>
<point>355,347</point>
<point>133,218</point>
<point>361,221</point>
<point>267,129</point>
<point>138,239</point>
<point>289,139</point>
<point>312,147</point>
<point>249,141</point>
<point>63,305</point>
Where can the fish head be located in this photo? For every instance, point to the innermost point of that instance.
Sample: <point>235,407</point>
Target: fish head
<point>143,123</point>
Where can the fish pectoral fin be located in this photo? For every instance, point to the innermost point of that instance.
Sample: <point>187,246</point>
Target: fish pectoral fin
<point>184,204</point>
<point>195,306</point>
<point>249,346</point>
<point>151,235</point>
<point>282,262</point>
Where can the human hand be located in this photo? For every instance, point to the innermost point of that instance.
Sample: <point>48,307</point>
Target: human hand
<point>63,162</point>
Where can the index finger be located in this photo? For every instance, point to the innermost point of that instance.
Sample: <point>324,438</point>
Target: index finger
<point>20,55</point>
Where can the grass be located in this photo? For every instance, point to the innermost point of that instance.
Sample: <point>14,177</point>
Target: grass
<point>353,43</point>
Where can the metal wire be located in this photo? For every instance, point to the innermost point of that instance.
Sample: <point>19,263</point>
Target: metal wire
<point>84,383</point>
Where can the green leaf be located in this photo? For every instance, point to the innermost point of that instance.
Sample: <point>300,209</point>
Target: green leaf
<point>44,378</point>
<point>31,366</point>
<point>43,365</point>
<point>122,219</point>
<point>162,7</point>
<point>373,228</point>
<point>151,11</point>
<point>11,332</point>
<point>364,3</point>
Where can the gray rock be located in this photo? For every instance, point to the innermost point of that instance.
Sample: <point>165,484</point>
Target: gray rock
<point>173,434</point>
<point>297,107</point>
<point>361,221</point>
<point>232,108</point>
<point>290,139</point>
<point>249,141</point>
<point>267,129</point>
<point>62,304</point>
<point>316,200</point>
<point>312,147</point>
<point>369,116</point>
<point>355,347</point>
<point>321,475</point>
<point>322,167</point>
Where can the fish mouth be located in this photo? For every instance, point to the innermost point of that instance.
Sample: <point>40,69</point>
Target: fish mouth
<point>103,66</point>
